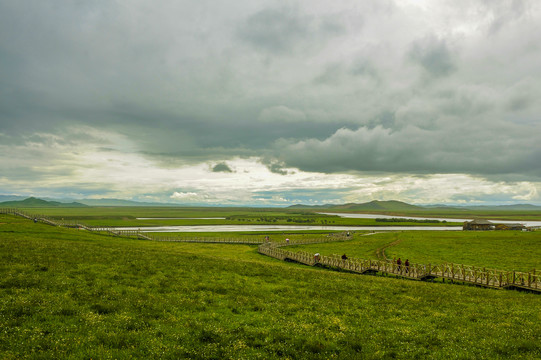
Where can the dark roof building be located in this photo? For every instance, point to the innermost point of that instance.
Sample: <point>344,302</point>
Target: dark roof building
<point>478,224</point>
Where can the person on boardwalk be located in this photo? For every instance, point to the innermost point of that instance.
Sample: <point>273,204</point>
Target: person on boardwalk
<point>398,264</point>
<point>407,265</point>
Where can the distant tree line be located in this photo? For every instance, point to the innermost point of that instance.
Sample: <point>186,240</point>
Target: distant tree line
<point>425,221</point>
<point>271,219</point>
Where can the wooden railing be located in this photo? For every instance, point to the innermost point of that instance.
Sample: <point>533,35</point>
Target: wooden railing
<point>212,240</point>
<point>123,233</point>
<point>145,236</point>
<point>455,272</point>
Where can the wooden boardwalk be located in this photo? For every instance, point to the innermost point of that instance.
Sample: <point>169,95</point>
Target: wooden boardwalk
<point>491,278</point>
<point>138,234</point>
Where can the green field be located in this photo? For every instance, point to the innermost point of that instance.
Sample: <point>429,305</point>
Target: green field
<point>127,216</point>
<point>66,293</point>
<point>502,250</point>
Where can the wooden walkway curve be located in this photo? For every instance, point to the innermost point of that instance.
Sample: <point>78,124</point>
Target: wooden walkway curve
<point>491,278</point>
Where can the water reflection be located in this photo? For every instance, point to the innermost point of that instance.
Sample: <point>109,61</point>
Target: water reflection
<point>277,228</point>
<point>377,216</point>
<point>284,228</point>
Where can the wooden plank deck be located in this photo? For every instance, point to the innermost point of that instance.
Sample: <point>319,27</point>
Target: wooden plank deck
<point>490,278</point>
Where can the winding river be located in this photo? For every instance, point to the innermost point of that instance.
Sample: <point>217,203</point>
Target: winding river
<point>284,228</point>
<point>277,228</point>
<point>377,216</point>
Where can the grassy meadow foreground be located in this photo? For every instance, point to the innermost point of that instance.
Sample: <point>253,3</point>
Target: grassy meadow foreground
<point>66,293</point>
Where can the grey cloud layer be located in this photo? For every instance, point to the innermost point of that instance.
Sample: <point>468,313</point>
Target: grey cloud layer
<point>415,150</point>
<point>365,86</point>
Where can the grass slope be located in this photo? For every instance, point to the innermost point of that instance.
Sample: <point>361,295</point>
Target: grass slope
<point>502,250</point>
<point>71,294</point>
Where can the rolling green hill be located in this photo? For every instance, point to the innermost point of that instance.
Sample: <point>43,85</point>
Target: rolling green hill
<point>399,207</point>
<point>376,205</point>
<point>35,202</point>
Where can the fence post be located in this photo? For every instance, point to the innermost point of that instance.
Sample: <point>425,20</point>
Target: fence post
<point>484,272</point>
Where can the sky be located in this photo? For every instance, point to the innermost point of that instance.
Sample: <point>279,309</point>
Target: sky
<point>267,103</point>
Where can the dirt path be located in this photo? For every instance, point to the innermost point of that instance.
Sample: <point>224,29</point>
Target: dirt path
<point>380,252</point>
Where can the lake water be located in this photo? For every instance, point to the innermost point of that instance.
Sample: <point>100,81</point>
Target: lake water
<point>278,228</point>
<point>283,228</point>
<point>376,216</point>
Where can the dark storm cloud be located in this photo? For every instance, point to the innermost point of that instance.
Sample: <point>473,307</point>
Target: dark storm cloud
<point>221,167</point>
<point>276,167</point>
<point>416,150</point>
<point>98,65</point>
<point>322,87</point>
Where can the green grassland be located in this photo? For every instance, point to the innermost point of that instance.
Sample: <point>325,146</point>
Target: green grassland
<point>502,250</point>
<point>360,246</point>
<point>127,216</point>
<point>66,293</point>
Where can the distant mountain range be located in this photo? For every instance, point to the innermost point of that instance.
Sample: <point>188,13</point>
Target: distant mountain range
<point>36,202</point>
<point>504,207</point>
<point>372,206</point>
<point>375,205</point>
<point>394,205</point>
